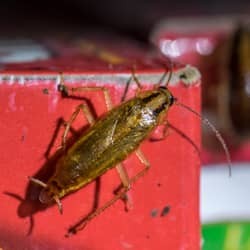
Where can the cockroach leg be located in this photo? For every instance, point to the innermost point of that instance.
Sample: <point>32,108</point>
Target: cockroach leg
<point>136,79</point>
<point>123,175</point>
<point>59,204</point>
<point>83,222</point>
<point>38,182</point>
<point>125,184</point>
<point>86,111</point>
<point>126,89</point>
<point>165,132</point>
<point>145,162</point>
<point>126,181</point>
<point>105,91</point>
<point>158,84</point>
<point>119,195</point>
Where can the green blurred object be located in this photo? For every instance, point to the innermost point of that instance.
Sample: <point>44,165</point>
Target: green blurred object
<point>226,236</point>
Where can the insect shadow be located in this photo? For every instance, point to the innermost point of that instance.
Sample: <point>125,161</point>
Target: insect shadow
<point>29,204</point>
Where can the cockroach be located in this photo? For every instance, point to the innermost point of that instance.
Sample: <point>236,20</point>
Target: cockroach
<point>109,141</point>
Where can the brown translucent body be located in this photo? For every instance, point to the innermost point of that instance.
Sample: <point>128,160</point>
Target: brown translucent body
<point>108,142</point>
<point>240,82</point>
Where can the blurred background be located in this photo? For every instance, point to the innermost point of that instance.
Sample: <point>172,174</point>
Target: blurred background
<point>135,18</point>
<point>214,36</point>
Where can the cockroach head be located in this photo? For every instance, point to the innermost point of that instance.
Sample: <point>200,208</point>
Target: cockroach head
<point>172,99</point>
<point>46,196</point>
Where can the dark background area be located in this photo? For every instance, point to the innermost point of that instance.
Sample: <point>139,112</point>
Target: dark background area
<point>134,18</point>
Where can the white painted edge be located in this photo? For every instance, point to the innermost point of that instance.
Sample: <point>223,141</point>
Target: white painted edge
<point>187,75</point>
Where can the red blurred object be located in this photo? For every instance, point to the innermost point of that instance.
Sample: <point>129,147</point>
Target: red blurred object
<point>207,43</point>
<point>165,213</point>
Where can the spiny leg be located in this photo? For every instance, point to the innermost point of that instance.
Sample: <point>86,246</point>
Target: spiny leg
<point>84,107</point>
<point>165,131</point>
<point>119,195</point>
<point>140,174</point>
<point>139,85</point>
<point>158,84</point>
<point>83,222</point>
<point>86,111</point>
<point>105,90</point>
<point>65,91</point>
<point>136,80</point>
<point>167,69</point>
<point>126,89</point>
<point>126,181</point>
<point>60,123</point>
<point>123,174</point>
<point>145,162</point>
<point>170,73</point>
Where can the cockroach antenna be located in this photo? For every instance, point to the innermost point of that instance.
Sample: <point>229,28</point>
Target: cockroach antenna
<point>169,72</point>
<point>59,204</point>
<point>217,133</point>
<point>38,182</point>
<point>203,119</point>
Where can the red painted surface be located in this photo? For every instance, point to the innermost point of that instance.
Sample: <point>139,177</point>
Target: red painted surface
<point>29,121</point>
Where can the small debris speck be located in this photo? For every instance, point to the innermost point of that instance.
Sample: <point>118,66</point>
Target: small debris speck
<point>154,212</point>
<point>46,91</point>
<point>165,211</point>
